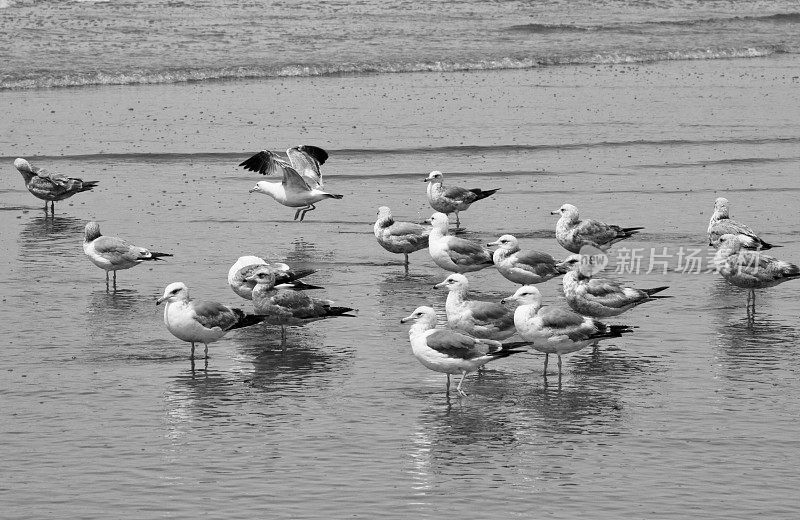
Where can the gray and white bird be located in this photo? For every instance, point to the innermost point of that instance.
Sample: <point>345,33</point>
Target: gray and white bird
<point>601,297</point>
<point>722,224</point>
<point>454,198</point>
<point>301,185</point>
<point>113,253</point>
<point>399,237</point>
<point>480,319</point>
<point>573,233</point>
<point>455,254</point>
<point>555,330</point>
<point>50,186</point>
<point>451,352</point>
<point>286,307</point>
<point>246,265</point>
<point>524,267</point>
<point>751,269</point>
<point>197,321</point>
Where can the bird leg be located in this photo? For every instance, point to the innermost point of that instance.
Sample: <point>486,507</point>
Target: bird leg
<point>106,281</point>
<point>192,356</point>
<point>305,210</point>
<point>458,222</point>
<point>546,359</point>
<point>206,352</point>
<point>297,213</point>
<point>283,338</point>
<point>458,388</point>
<point>115,280</point>
<point>447,388</point>
<point>52,207</point>
<point>559,366</point>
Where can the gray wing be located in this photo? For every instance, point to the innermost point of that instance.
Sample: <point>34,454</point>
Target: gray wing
<point>458,194</point>
<point>293,182</point>
<point>536,262</point>
<point>118,250</point>
<point>595,231</point>
<point>491,312</point>
<point>727,226</point>
<point>212,314</point>
<point>456,345</point>
<point>306,165</point>
<point>464,252</point>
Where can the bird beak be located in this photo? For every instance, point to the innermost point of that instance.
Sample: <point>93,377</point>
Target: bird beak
<point>493,244</point>
<point>508,299</point>
<point>555,212</point>
<point>426,179</point>
<point>158,301</point>
<point>404,320</point>
<point>251,190</point>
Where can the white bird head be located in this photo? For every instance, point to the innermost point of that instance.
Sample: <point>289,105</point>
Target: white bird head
<point>721,208</point>
<point>174,292</point>
<point>434,177</point>
<point>567,210</point>
<point>732,243</point>
<point>263,276</point>
<point>22,165</point>
<point>453,282</point>
<point>525,295</point>
<point>384,213</point>
<point>424,314</point>
<point>264,187</point>
<point>507,242</point>
<point>440,222</point>
<point>91,232</point>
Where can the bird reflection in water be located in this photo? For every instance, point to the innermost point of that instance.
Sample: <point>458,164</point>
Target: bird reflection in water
<point>305,363</point>
<point>43,237</point>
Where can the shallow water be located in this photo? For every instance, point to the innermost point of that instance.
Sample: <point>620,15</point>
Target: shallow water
<point>693,414</point>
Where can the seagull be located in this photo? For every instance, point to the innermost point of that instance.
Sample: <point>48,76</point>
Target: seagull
<point>200,321</point>
<point>452,199</point>
<point>247,265</point>
<point>524,267</point>
<point>283,307</point>
<point>751,269</point>
<point>449,351</point>
<point>601,297</point>
<point>301,186</point>
<point>555,330</point>
<point>113,253</point>
<point>573,233</point>
<point>480,319</point>
<point>721,224</point>
<point>453,253</point>
<point>399,237</point>
<point>50,186</point>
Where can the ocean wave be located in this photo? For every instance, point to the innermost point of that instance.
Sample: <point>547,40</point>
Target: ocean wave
<point>144,77</point>
<point>230,156</point>
<point>545,28</point>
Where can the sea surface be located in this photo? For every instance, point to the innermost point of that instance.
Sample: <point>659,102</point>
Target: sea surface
<point>640,114</point>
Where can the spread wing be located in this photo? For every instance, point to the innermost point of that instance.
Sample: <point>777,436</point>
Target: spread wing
<point>306,160</point>
<point>265,163</point>
<point>212,314</point>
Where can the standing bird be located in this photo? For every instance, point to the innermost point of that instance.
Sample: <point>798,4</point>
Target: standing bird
<point>301,185</point>
<point>524,267</point>
<point>400,237</point>
<point>200,321</point>
<point>452,199</point>
<point>601,297</point>
<point>721,224</point>
<point>453,253</point>
<point>113,253</point>
<point>573,233</point>
<point>285,307</point>
<point>449,351</point>
<point>750,269</point>
<point>480,319</point>
<point>554,330</point>
<point>247,265</point>
<point>50,186</point>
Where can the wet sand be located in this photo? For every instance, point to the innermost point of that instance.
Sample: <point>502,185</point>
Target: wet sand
<point>101,399</point>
